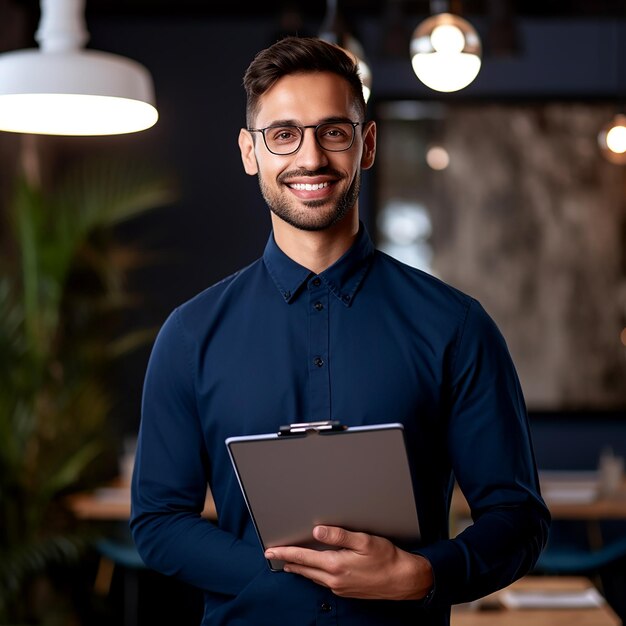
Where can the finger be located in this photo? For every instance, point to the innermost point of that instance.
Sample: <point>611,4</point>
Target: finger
<point>316,575</point>
<point>298,556</point>
<point>342,538</point>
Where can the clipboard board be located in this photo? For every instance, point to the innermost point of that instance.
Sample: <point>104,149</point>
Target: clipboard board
<point>326,473</point>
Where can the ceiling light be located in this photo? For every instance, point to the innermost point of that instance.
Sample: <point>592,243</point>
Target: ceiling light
<point>333,31</point>
<point>437,157</point>
<point>63,89</point>
<point>446,52</point>
<point>355,50</point>
<point>612,140</point>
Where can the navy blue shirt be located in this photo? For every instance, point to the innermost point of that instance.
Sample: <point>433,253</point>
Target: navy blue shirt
<point>369,340</point>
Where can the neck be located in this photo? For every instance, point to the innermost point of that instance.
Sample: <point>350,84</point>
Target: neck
<point>316,250</point>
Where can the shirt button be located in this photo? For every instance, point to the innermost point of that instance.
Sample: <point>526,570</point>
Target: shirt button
<point>326,607</point>
<point>316,282</point>
<point>318,306</point>
<point>319,361</point>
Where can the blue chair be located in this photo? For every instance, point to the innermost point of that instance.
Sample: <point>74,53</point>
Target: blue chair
<point>122,553</point>
<point>569,553</point>
<point>577,559</point>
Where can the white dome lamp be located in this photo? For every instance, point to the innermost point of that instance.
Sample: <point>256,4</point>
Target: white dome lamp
<point>446,52</point>
<point>63,89</point>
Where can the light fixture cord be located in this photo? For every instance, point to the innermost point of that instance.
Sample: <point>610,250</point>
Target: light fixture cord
<point>439,6</point>
<point>62,26</point>
<point>330,30</point>
<point>620,48</point>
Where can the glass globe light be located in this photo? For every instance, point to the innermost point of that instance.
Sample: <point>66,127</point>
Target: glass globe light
<point>354,49</point>
<point>366,78</point>
<point>612,140</point>
<point>446,52</point>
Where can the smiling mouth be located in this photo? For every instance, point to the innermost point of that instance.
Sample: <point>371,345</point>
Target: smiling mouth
<point>308,186</point>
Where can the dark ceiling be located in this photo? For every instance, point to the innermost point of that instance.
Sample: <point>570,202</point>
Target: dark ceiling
<point>317,8</point>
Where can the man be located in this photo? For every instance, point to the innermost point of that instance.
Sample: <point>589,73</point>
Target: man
<point>323,327</point>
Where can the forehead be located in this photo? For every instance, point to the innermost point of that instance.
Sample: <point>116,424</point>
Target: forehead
<point>306,98</point>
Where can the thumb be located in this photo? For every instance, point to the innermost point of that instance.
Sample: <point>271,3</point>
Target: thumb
<point>335,536</point>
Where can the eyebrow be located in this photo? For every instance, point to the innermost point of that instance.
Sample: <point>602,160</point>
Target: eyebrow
<point>325,120</point>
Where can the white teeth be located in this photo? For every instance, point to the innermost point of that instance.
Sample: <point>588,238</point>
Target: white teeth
<point>308,186</point>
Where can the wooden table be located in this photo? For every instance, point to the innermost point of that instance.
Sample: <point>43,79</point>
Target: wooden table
<point>493,612</point>
<point>560,491</point>
<point>567,497</point>
<point>111,503</point>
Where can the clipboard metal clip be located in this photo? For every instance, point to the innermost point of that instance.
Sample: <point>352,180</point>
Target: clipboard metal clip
<point>305,428</point>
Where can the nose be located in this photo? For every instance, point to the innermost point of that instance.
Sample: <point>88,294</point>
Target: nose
<point>311,156</point>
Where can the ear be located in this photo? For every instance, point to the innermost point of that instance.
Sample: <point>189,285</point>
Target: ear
<point>248,157</point>
<point>369,146</point>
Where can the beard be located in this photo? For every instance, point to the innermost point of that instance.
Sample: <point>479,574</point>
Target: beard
<point>302,214</point>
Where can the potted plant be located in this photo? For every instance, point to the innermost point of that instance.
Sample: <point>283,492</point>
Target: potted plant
<point>61,284</point>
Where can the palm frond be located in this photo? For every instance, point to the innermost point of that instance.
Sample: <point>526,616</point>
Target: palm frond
<point>22,562</point>
<point>111,192</point>
<point>62,280</point>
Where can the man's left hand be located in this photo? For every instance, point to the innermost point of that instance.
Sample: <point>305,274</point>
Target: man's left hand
<point>361,566</point>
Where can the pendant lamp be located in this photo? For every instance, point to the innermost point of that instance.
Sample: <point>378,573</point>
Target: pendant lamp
<point>445,52</point>
<point>612,140</point>
<point>612,137</point>
<point>61,88</point>
<point>333,31</point>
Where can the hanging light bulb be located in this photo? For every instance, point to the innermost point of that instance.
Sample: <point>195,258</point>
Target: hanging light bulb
<point>446,52</point>
<point>62,89</point>
<point>355,50</point>
<point>612,140</point>
<point>333,31</point>
<point>366,78</point>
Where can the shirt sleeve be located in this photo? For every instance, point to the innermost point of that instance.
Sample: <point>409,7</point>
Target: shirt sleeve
<point>488,440</point>
<point>170,479</point>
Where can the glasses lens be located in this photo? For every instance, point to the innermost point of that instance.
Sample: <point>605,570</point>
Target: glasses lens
<point>335,136</point>
<point>283,139</point>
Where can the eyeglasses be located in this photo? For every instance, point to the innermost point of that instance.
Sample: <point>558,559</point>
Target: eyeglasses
<point>283,139</point>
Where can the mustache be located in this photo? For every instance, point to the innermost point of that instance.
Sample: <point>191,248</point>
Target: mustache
<point>303,173</point>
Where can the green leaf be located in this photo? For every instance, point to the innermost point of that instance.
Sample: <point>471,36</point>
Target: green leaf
<point>69,472</point>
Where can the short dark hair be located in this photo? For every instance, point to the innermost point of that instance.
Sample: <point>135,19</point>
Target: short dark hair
<point>293,55</point>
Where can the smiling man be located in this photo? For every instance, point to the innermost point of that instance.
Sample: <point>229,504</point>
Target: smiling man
<point>324,327</point>
<point>315,144</point>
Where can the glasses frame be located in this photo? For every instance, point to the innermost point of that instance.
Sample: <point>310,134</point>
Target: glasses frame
<point>302,129</point>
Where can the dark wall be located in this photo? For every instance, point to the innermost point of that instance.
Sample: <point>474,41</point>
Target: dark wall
<point>220,222</point>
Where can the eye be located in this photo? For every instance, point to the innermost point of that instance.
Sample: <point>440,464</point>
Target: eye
<point>283,134</point>
<point>335,132</point>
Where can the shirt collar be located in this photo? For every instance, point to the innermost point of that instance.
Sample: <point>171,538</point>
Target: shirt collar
<point>342,278</point>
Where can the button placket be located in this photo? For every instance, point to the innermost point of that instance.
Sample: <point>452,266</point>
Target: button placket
<point>319,376</point>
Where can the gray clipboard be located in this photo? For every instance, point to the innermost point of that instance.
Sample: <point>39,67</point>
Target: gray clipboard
<point>325,473</point>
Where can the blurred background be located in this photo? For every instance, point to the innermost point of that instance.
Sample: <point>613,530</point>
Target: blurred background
<point>501,188</point>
